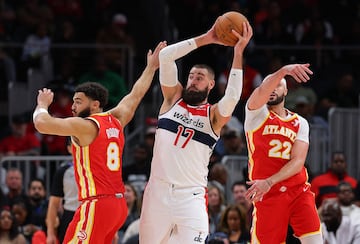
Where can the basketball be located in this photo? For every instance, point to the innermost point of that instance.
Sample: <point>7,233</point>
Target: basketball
<point>225,23</point>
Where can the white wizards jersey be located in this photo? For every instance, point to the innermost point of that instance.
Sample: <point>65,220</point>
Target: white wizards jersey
<point>184,142</point>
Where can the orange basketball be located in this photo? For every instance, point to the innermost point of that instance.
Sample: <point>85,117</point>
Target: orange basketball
<point>225,23</point>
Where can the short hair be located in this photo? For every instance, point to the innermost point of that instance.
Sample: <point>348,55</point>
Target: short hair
<point>208,68</point>
<point>239,183</point>
<point>343,183</point>
<point>95,91</point>
<point>42,182</point>
<point>337,152</point>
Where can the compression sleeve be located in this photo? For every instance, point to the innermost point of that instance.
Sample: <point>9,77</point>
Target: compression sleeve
<point>168,73</point>
<point>232,94</point>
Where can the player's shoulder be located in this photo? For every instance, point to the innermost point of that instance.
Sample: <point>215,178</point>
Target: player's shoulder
<point>64,166</point>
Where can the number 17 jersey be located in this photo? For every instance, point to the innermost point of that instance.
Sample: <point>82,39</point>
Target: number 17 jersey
<point>184,142</point>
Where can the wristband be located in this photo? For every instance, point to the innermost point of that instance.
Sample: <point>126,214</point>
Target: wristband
<point>39,111</point>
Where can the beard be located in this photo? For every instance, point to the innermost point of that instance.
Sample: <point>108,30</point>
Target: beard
<point>194,97</point>
<point>85,113</point>
<point>36,198</point>
<point>277,101</point>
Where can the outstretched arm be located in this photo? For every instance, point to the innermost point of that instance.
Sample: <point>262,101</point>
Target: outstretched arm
<point>51,218</point>
<point>125,110</point>
<point>261,94</point>
<point>168,74</point>
<point>222,111</point>
<point>82,129</point>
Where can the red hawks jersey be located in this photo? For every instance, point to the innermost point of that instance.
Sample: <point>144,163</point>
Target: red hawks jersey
<point>270,139</point>
<point>98,165</point>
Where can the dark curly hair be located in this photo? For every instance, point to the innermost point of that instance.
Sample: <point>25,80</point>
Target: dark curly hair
<point>95,91</point>
<point>14,231</point>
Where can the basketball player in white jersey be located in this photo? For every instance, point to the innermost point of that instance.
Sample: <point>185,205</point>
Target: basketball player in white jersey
<point>174,206</point>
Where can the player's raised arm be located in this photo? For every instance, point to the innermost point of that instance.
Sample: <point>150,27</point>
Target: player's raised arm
<point>47,124</point>
<point>125,110</point>
<point>261,94</point>
<point>225,107</point>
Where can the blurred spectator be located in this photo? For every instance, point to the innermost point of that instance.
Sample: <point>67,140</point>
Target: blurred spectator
<point>60,108</point>
<point>36,53</point>
<point>238,190</point>
<point>296,90</point>
<point>337,228</point>
<point>233,223</point>
<point>150,137</point>
<point>218,175</point>
<point>20,142</point>
<point>66,9</point>
<point>3,186</point>
<point>7,20</point>
<point>357,194</point>
<point>217,238</point>
<point>346,199</point>
<point>315,30</point>
<point>63,199</point>
<point>271,28</point>
<point>30,14</point>
<point>234,143</point>
<point>109,79</point>
<point>231,140</point>
<point>344,94</point>
<point>325,185</point>
<point>38,204</point>
<point>14,183</point>
<point>64,59</point>
<point>133,201</point>
<point>115,33</point>
<point>36,46</point>
<point>216,205</point>
<point>7,73</point>
<point>22,214</point>
<point>138,171</point>
<point>39,237</point>
<point>306,110</point>
<point>9,233</point>
<point>131,235</point>
<point>2,199</point>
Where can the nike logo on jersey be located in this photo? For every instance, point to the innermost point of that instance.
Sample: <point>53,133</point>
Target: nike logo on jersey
<point>196,193</point>
<point>296,122</point>
<point>306,188</point>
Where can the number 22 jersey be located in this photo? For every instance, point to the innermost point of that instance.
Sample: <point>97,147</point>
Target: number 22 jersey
<point>270,139</point>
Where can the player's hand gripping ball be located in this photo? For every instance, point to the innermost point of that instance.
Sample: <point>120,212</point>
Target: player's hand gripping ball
<point>225,23</point>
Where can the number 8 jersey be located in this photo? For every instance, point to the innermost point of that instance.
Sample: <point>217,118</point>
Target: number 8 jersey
<point>103,156</point>
<point>270,139</point>
<point>189,141</point>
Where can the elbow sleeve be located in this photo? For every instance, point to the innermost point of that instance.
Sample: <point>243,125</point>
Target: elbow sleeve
<point>168,55</point>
